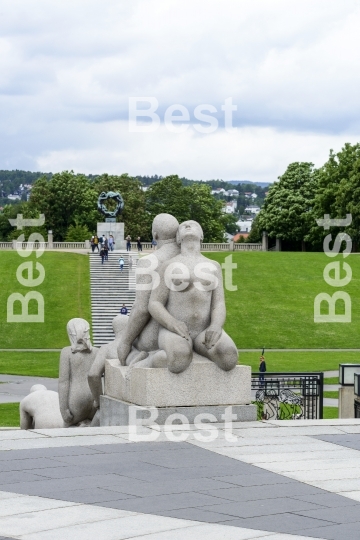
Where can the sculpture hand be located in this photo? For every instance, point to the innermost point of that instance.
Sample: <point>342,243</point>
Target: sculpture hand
<point>68,416</point>
<point>212,336</point>
<point>123,351</point>
<point>181,329</point>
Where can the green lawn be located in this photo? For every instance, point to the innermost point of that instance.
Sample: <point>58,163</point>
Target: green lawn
<point>299,361</point>
<point>332,394</point>
<point>331,412</point>
<point>9,415</point>
<point>274,303</point>
<point>39,364</point>
<point>331,380</point>
<point>66,292</point>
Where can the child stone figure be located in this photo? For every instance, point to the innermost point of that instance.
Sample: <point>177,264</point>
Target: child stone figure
<point>76,400</point>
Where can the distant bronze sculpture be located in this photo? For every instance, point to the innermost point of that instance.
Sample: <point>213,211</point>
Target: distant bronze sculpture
<point>115,196</point>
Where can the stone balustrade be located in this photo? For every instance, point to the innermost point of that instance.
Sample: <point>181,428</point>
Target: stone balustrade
<point>147,246</point>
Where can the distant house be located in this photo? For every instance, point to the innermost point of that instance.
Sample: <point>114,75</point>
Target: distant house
<point>14,197</point>
<point>230,207</point>
<point>252,209</point>
<point>233,193</point>
<point>237,236</point>
<point>253,196</point>
<point>244,225</point>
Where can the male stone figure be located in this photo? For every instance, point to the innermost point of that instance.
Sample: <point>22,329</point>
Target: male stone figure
<point>40,409</point>
<point>97,370</point>
<point>189,305</point>
<point>164,229</point>
<point>76,400</point>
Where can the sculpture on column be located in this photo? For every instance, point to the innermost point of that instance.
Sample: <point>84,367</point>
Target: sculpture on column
<point>76,400</point>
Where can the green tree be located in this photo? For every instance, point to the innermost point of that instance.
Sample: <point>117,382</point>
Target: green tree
<point>66,199</point>
<point>168,196</point>
<point>190,202</point>
<point>338,193</point>
<point>286,213</point>
<point>255,235</point>
<point>77,233</point>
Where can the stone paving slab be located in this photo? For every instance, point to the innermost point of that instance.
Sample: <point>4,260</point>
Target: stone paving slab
<point>114,488</point>
<point>14,388</point>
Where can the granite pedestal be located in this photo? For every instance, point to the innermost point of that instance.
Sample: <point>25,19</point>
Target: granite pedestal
<point>116,229</point>
<point>156,393</point>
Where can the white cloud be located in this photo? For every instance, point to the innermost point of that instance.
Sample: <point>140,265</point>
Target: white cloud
<point>67,70</point>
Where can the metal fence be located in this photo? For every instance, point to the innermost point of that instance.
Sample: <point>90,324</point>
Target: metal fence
<point>356,409</point>
<point>288,396</point>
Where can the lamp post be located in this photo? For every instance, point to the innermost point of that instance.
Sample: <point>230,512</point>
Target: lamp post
<point>356,395</point>
<point>346,391</point>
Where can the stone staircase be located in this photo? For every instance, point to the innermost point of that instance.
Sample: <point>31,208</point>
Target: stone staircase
<point>110,289</point>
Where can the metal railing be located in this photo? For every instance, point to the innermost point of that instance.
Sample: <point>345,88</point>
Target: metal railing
<point>288,396</point>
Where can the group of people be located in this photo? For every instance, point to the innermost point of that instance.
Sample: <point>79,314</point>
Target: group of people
<point>101,242</point>
<point>128,243</point>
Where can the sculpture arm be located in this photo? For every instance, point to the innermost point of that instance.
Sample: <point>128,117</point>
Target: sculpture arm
<point>96,372</point>
<point>26,420</point>
<point>158,299</point>
<point>218,312</point>
<point>64,385</point>
<point>139,315</point>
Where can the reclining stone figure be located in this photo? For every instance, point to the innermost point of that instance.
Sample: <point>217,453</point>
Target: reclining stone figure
<point>40,409</point>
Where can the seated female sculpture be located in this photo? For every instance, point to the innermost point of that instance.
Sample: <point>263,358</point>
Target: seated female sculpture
<point>76,400</point>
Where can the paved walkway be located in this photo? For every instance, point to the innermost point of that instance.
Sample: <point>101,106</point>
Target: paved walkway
<point>275,480</point>
<point>13,388</point>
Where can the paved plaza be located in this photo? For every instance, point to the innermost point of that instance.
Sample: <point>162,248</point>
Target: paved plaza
<point>274,480</point>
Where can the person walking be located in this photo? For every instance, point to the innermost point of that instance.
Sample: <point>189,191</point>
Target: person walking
<point>121,264</point>
<point>96,243</point>
<point>92,243</point>
<point>106,249</point>
<point>153,244</point>
<point>139,246</point>
<point>124,310</point>
<point>128,242</point>
<point>111,242</point>
<point>102,254</point>
<point>262,369</point>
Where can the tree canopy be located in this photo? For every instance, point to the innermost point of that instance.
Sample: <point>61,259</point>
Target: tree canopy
<point>287,209</point>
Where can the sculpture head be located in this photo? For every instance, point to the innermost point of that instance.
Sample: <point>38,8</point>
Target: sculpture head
<point>189,229</point>
<point>119,323</point>
<point>164,227</point>
<point>79,334</point>
<point>37,388</point>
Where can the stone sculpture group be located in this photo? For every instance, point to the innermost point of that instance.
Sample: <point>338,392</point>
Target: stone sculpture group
<point>178,316</point>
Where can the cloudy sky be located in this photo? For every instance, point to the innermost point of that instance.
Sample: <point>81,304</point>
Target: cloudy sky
<point>69,68</point>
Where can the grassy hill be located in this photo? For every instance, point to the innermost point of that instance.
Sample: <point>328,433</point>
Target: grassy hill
<point>274,303</point>
<point>66,292</point>
<point>272,307</point>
